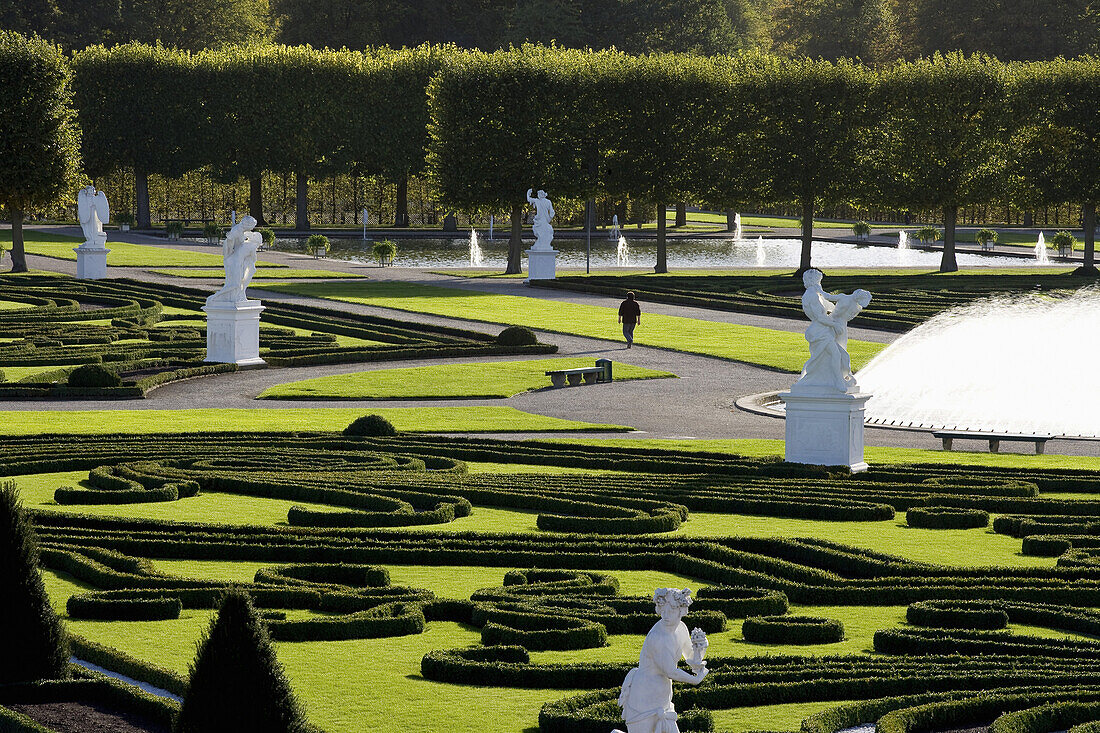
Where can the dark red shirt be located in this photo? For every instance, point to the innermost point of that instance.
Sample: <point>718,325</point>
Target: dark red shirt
<point>630,311</point>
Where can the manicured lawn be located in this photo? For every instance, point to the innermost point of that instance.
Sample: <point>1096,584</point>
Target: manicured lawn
<point>485,380</point>
<point>476,419</point>
<point>782,350</point>
<point>280,273</point>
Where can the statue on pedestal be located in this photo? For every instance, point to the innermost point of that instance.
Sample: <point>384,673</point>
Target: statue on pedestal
<point>829,368</point>
<point>93,212</point>
<point>544,213</point>
<point>646,698</point>
<point>239,252</point>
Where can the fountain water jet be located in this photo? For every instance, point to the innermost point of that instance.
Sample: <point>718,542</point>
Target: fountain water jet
<point>737,233</point>
<point>477,258</point>
<point>903,240</point>
<point>761,255</point>
<point>990,366</point>
<point>623,253</point>
<point>1041,254</point>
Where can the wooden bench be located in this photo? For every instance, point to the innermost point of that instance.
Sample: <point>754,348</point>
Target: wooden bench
<point>591,375</point>
<point>995,439</point>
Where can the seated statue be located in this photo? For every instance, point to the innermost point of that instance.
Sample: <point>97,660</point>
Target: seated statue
<point>239,252</point>
<point>829,368</point>
<point>646,698</point>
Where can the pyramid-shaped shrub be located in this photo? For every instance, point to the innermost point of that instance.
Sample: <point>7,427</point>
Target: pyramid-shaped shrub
<point>237,684</point>
<point>32,641</point>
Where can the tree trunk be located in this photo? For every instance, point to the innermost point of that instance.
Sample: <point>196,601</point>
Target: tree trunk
<point>950,217</point>
<point>401,218</point>
<point>731,221</point>
<point>142,217</point>
<point>1088,214</point>
<point>1029,219</point>
<point>256,201</point>
<point>515,243</point>
<point>301,214</point>
<point>681,214</point>
<point>662,249</point>
<point>805,263</point>
<point>18,255</point>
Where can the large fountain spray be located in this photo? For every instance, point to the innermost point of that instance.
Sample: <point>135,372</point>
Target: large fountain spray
<point>761,253</point>
<point>1010,365</point>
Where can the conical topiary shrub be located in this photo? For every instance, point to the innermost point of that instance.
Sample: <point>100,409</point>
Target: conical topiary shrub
<point>32,641</point>
<point>237,684</point>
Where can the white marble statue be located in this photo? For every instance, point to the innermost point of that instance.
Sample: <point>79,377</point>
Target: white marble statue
<point>544,214</point>
<point>615,232</point>
<point>239,252</point>
<point>646,698</point>
<point>93,212</point>
<point>829,369</point>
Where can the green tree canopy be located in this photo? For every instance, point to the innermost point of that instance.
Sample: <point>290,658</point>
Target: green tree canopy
<point>834,29</point>
<point>1056,148</point>
<point>33,639</point>
<point>1011,30</point>
<point>39,137</point>
<point>943,142</point>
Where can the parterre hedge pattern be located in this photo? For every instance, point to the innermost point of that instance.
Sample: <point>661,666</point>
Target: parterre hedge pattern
<point>947,665</point>
<point>901,301</point>
<point>123,325</point>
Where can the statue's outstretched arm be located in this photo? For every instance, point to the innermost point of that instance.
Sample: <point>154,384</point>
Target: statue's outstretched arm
<point>530,198</point>
<point>831,297</point>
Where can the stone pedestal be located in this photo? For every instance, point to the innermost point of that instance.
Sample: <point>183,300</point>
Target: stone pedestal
<point>233,332</point>
<point>825,428</point>
<point>91,261</point>
<point>542,264</point>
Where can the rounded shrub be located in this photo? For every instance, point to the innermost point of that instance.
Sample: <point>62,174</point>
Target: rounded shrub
<point>517,336</point>
<point>212,230</point>
<point>792,630</point>
<point>384,251</point>
<point>943,517</point>
<point>267,234</point>
<point>371,426</point>
<point>1,375</point>
<point>957,615</point>
<point>94,376</point>
<point>318,243</point>
<point>861,229</point>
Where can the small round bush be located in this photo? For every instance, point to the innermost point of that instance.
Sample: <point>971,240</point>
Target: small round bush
<point>792,630</point>
<point>318,242</point>
<point>1,375</point>
<point>942,517</point>
<point>985,235</point>
<point>371,426</point>
<point>861,229</point>
<point>517,336</point>
<point>211,230</point>
<point>267,234</point>
<point>93,375</point>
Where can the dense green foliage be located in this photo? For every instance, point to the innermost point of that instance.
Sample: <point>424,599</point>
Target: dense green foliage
<point>39,137</point>
<point>34,644</point>
<point>792,630</point>
<point>237,684</point>
<point>517,336</point>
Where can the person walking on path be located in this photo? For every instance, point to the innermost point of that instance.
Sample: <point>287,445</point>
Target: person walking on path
<point>630,315</point>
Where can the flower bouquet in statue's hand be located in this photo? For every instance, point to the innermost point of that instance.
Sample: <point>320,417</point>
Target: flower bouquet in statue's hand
<point>699,646</point>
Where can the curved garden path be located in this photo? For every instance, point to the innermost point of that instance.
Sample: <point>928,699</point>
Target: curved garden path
<point>698,404</point>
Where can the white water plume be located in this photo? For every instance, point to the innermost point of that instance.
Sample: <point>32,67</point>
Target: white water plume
<point>737,231</point>
<point>761,254</point>
<point>903,240</point>
<point>1041,254</point>
<point>1007,365</point>
<point>623,253</point>
<point>477,258</point>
